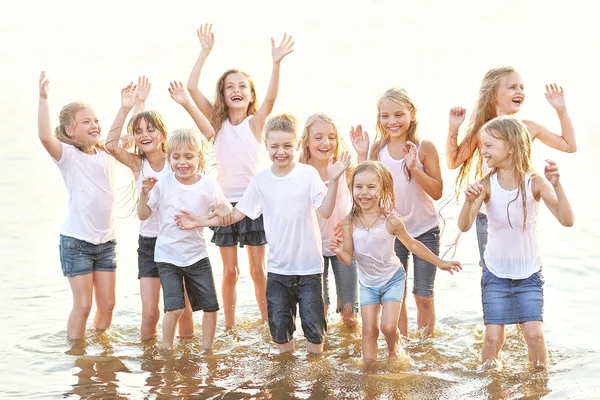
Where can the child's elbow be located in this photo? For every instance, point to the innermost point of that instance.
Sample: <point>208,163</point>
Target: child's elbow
<point>568,222</point>
<point>463,226</point>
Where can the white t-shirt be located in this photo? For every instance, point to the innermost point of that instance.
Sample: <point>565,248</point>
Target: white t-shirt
<point>168,197</point>
<point>90,184</point>
<point>149,227</point>
<point>288,204</point>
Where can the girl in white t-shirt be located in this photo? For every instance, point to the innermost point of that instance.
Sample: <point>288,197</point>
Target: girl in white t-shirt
<point>238,123</point>
<point>87,240</point>
<point>320,143</point>
<point>512,285</point>
<point>149,135</point>
<point>368,235</point>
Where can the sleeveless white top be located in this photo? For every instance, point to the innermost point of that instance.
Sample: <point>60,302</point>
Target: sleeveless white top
<point>416,208</point>
<point>237,155</point>
<point>341,210</point>
<point>484,171</point>
<point>149,227</point>
<point>374,253</point>
<point>511,253</point>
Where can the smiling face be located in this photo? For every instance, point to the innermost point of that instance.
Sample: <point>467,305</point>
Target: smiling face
<point>366,190</point>
<point>322,141</point>
<point>237,91</point>
<point>510,94</point>
<point>281,146</point>
<point>394,118</point>
<point>185,162</point>
<point>496,152</point>
<point>147,137</point>
<point>85,127</point>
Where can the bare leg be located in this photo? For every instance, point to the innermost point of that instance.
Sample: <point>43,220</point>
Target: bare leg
<point>425,315</point>
<point>370,331</point>
<point>150,292</point>
<point>403,320</point>
<point>492,343</point>
<point>256,262</point>
<point>231,273</point>
<point>348,316</point>
<point>287,347</point>
<point>170,320</point>
<point>104,293</point>
<point>81,289</point>
<point>389,326</point>
<point>536,344</point>
<point>186,322</point>
<point>314,348</point>
<point>209,327</point>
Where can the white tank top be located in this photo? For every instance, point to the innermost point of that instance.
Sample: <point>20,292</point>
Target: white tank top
<point>511,253</point>
<point>341,210</point>
<point>374,253</point>
<point>237,155</point>
<point>416,208</point>
<point>149,227</point>
<point>485,170</point>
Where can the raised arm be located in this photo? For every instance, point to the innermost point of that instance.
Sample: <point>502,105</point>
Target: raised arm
<point>207,40</point>
<point>566,140</point>
<point>335,171</point>
<point>396,227</point>
<point>430,178</point>
<point>475,195</point>
<point>457,154</point>
<point>144,212</point>
<point>128,100</point>
<point>258,121</point>
<point>52,145</point>
<point>143,90</point>
<point>553,194</point>
<point>180,96</point>
<point>343,246</point>
<point>360,142</point>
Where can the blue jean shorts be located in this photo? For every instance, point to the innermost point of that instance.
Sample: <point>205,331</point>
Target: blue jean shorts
<point>512,301</point>
<point>78,257</point>
<point>393,290</point>
<point>287,293</point>
<point>346,283</point>
<point>424,276</point>
<point>147,267</point>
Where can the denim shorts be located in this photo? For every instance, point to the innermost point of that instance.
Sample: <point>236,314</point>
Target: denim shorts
<point>78,257</point>
<point>199,284</point>
<point>424,276</point>
<point>248,231</point>
<point>512,301</point>
<point>481,227</point>
<point>346,283</point>
<point>147,268</point>
<point>284,294</point>
<point>393,290</point>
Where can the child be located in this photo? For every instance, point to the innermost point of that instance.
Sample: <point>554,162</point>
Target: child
<point>149,159</point>
<point>369,232</point>
<point>501,93</point>
<point>87,240</point>
<point>287,194</point>
<point>238,123</point>
<point>182,256</point>
<point>321,142</point>
<point>512,282</point>
<point>415,166</point>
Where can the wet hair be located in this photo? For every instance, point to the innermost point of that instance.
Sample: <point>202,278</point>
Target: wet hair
<point>67,117</point>
<point>484,111</point>
<point>387,200</point>
<point>153,119</point>
<point>283,123</point>
<point>187,139</point>
<point>220,111</point>
<point>515,134</point>
<point>399,96</point>
<point>310,121</point>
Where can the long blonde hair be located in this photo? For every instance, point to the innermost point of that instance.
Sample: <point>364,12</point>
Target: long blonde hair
<point>310,121</point>
<point>220,110</point>
<point>484,111</point>
<point>67,117</point>
<point>515,133</point>
<point>387,199</point>
<point>152,119</point>
<point>188,139</point>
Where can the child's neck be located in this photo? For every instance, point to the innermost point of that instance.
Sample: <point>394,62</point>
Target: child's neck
<point>236,116</point>
<point>321,167</point>
<point>189,180</point>
<point>156,159</point>
<point>282,171</point>
<point>399,141</point>
<point>508,178</point>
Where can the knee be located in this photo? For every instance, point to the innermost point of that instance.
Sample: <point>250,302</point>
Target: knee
<point>150,316</point>
<point>106,306</point>
<point>424,303</point>
<point>494,338</point>
<point>176,313</point>
<point>389,330</point>
<point>371,332</point>
<point>83,307</point>
<point>258,274</point>
<point>533,335</point>
<point>231,273</point>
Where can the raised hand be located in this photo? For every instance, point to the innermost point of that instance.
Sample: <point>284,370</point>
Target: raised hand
<point>450,266</point>
<point>143,88</point>
<point>552,173</point>
<point>148,184</point>
<point>336,246</point>
<point>129,96</point>
<point>473,191</point>
<point>178,93</point>
<point>44,84</point>
<point>360,140</point>
<point>186,220</point>
<point>556,96</point>
<point>336,170</point>
<point>457,116</point>
<point>284,48</point>
<point>410,155</point>
<point>206,37</point>
<point>224,211</point>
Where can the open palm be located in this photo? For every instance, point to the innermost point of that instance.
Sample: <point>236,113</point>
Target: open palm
<point>178,93</point>
<point>284,48</point>
<point>555,96</point>
<point>206,37</point>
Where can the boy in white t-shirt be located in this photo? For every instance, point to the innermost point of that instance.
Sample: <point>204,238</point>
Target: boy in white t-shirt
<point>286,194</point>
<point>181,256</point>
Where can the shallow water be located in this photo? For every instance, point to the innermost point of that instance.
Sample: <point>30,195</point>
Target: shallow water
<point>341,64</point>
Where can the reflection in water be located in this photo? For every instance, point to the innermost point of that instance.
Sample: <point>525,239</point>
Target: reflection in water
<point>245,364</point>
